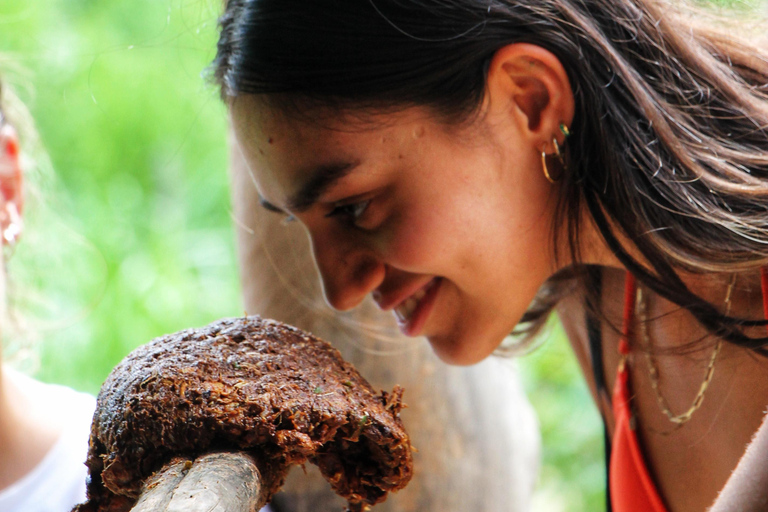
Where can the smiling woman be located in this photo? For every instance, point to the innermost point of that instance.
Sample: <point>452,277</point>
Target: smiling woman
<point>352,184</point>
<point>475,165</point>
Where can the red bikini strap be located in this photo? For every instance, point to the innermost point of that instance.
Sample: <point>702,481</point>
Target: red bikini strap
<point>764,282</point>
<point>630,294</point>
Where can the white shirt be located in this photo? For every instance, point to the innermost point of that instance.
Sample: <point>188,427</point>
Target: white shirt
<point>57,483</point>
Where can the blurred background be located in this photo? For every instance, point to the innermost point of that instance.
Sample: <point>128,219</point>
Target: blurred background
<point>129,233</point>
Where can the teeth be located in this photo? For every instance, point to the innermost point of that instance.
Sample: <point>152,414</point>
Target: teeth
<point>408,306</point>
<point>405,310</point>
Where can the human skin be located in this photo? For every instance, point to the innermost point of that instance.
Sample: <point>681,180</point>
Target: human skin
<point>29,423</point>
<point>465,210</point>
<point>469,204</point>
<point>692,463</point>
<point>463,420</point>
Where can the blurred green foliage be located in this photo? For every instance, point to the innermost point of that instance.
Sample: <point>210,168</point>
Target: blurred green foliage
<point>573,468</point>
<point>130,236</point>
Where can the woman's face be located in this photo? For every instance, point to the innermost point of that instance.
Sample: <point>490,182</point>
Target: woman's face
<point>448,227</point>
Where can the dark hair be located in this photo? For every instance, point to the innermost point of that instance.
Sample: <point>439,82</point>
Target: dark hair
<point>670,138</point>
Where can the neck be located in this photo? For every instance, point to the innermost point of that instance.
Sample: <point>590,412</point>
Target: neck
<point>592,247</point>
<point>746,300</point>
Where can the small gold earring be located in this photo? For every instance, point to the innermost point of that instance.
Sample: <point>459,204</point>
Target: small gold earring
<point>558,153</point>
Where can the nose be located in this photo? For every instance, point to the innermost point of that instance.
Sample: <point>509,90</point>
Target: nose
<point>348,269</point>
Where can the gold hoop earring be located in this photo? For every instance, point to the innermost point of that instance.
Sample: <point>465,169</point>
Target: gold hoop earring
<point>559,156</point>
<point>558,153</point>
<point>546,170</point>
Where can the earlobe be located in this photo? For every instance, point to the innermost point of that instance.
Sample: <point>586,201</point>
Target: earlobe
<point>535,85</point>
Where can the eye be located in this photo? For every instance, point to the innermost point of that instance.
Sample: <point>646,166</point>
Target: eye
<point>349,213</point>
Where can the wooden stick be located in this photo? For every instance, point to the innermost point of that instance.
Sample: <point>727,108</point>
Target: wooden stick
<point>216,482</point>
<point>158,489</point>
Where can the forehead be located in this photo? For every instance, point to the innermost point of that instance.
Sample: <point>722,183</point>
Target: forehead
<point>257,122</point>
<point>282,150</point>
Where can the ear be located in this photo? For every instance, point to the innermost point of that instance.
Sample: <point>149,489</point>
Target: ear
<point>11,185</point>
<point>532,85</point>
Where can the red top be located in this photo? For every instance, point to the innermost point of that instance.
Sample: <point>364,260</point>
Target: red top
<point>632,488</point>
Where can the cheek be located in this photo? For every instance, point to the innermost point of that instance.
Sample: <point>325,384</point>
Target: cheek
<point>419,239</point>
<point>437,237</point>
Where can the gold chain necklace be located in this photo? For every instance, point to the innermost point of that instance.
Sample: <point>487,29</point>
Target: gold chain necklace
<point>679,419</point>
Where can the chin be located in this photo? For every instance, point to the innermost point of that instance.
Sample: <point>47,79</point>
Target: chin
<point>462,350</point>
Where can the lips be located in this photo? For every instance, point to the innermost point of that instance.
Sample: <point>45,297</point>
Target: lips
<point>413,312</point>
<point>406,308</point>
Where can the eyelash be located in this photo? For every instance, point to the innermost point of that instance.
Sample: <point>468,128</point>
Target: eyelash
<point>349,213</point>
<point>287,217</point>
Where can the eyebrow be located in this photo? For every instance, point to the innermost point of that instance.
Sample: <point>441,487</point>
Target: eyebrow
<point>321,179</point>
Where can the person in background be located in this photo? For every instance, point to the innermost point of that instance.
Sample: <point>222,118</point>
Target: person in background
<point>44,428</point>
